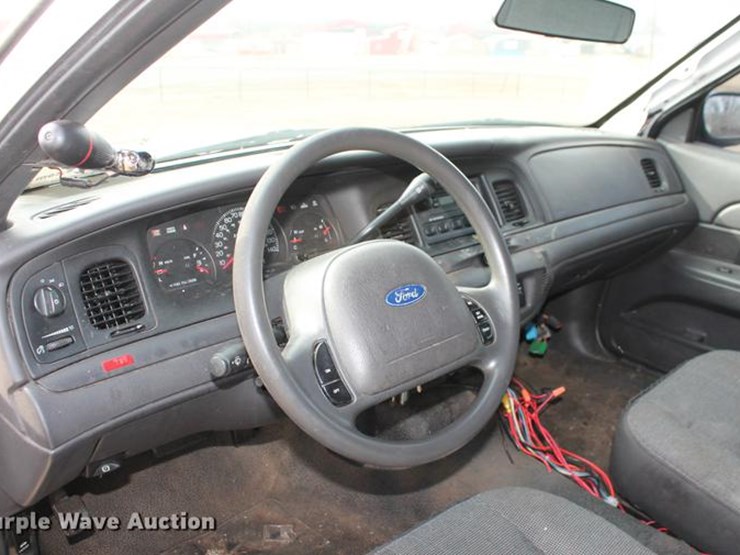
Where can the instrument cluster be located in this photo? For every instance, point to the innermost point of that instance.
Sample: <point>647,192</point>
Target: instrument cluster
<point>196,251</point>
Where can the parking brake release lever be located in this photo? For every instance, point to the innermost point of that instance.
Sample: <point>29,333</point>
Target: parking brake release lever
<point>420,188</point>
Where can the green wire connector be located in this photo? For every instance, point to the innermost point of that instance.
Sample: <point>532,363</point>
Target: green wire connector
<point>538,348</point>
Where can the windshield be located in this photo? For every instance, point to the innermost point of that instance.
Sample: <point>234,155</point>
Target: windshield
<point>311,65</point>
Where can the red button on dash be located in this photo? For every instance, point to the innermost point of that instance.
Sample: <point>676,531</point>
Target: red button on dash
<point>117,363</point>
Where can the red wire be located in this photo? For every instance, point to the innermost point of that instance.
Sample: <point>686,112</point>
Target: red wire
<point>543,440</point>
<point>515,435</point>
<point>535,429</point>
<point>543,447</point>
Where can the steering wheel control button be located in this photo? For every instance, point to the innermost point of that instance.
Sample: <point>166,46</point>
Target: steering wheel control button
<point>328,376</point>
<point>338,393</point>
<point>326,370</point>
<point>486,332</point>
<point>49,301</point>
<point>229,360</point>
<point>482,321</point>
<point>479,315</point>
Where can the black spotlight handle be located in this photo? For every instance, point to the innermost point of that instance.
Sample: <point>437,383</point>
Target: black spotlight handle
<point>72,144</point>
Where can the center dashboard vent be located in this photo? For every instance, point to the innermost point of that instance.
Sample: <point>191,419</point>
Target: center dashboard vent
<point>400,229</point>
<point>651,172</point>
<point>111,295</point>
<point>510,203</point>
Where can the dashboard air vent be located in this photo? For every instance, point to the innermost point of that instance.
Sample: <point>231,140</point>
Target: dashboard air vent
<point>510,203</point>
<point>111,294</point>
<point>651,172</point>
<point>400,229</point>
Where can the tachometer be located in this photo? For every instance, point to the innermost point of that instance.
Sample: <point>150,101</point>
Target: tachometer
<point>224,239</point>
<point>181,263</point>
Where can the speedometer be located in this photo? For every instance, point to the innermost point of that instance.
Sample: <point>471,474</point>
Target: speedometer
<point>224,239</point>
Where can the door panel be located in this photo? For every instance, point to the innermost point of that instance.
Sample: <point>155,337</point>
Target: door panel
<point>710,174</point>
<point>686,302</point>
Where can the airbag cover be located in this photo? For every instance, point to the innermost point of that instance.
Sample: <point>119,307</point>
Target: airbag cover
<point>380,340</point>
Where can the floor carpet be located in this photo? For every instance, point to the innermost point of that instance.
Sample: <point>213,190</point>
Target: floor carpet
<point>283,493</point>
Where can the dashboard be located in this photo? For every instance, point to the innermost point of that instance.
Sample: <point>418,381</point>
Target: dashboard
<point>193,255</point>
<point>119,299</point>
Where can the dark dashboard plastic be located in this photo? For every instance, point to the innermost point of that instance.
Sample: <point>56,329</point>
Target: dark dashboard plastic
<point>589,210</point>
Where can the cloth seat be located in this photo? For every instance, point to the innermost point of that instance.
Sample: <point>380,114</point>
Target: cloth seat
<point>516,521</point>
<point>676,452</point>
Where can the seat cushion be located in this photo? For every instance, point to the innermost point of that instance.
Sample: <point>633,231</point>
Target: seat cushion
<point>676,453</point>
<point>517,521</point>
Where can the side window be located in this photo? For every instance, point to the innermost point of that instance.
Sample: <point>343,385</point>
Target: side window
<point>720,116</point>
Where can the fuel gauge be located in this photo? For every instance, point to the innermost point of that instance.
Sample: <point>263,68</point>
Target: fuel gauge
<point>181,263</point>
<point>310,235</point>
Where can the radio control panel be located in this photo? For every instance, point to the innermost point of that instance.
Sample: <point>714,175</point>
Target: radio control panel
<point>439,219</point>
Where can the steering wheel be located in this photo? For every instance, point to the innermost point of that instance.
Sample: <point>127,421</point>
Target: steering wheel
<point>369,321</point>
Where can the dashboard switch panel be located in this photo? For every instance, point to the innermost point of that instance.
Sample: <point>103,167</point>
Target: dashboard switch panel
<point>52,330</point>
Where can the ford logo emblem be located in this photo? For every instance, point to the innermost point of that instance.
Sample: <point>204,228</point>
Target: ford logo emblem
<point>406,295</point>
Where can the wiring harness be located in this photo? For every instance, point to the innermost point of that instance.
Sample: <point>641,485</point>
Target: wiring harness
<point>520,413</point>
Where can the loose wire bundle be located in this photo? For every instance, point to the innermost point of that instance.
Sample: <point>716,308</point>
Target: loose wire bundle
<point>520,413</point>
